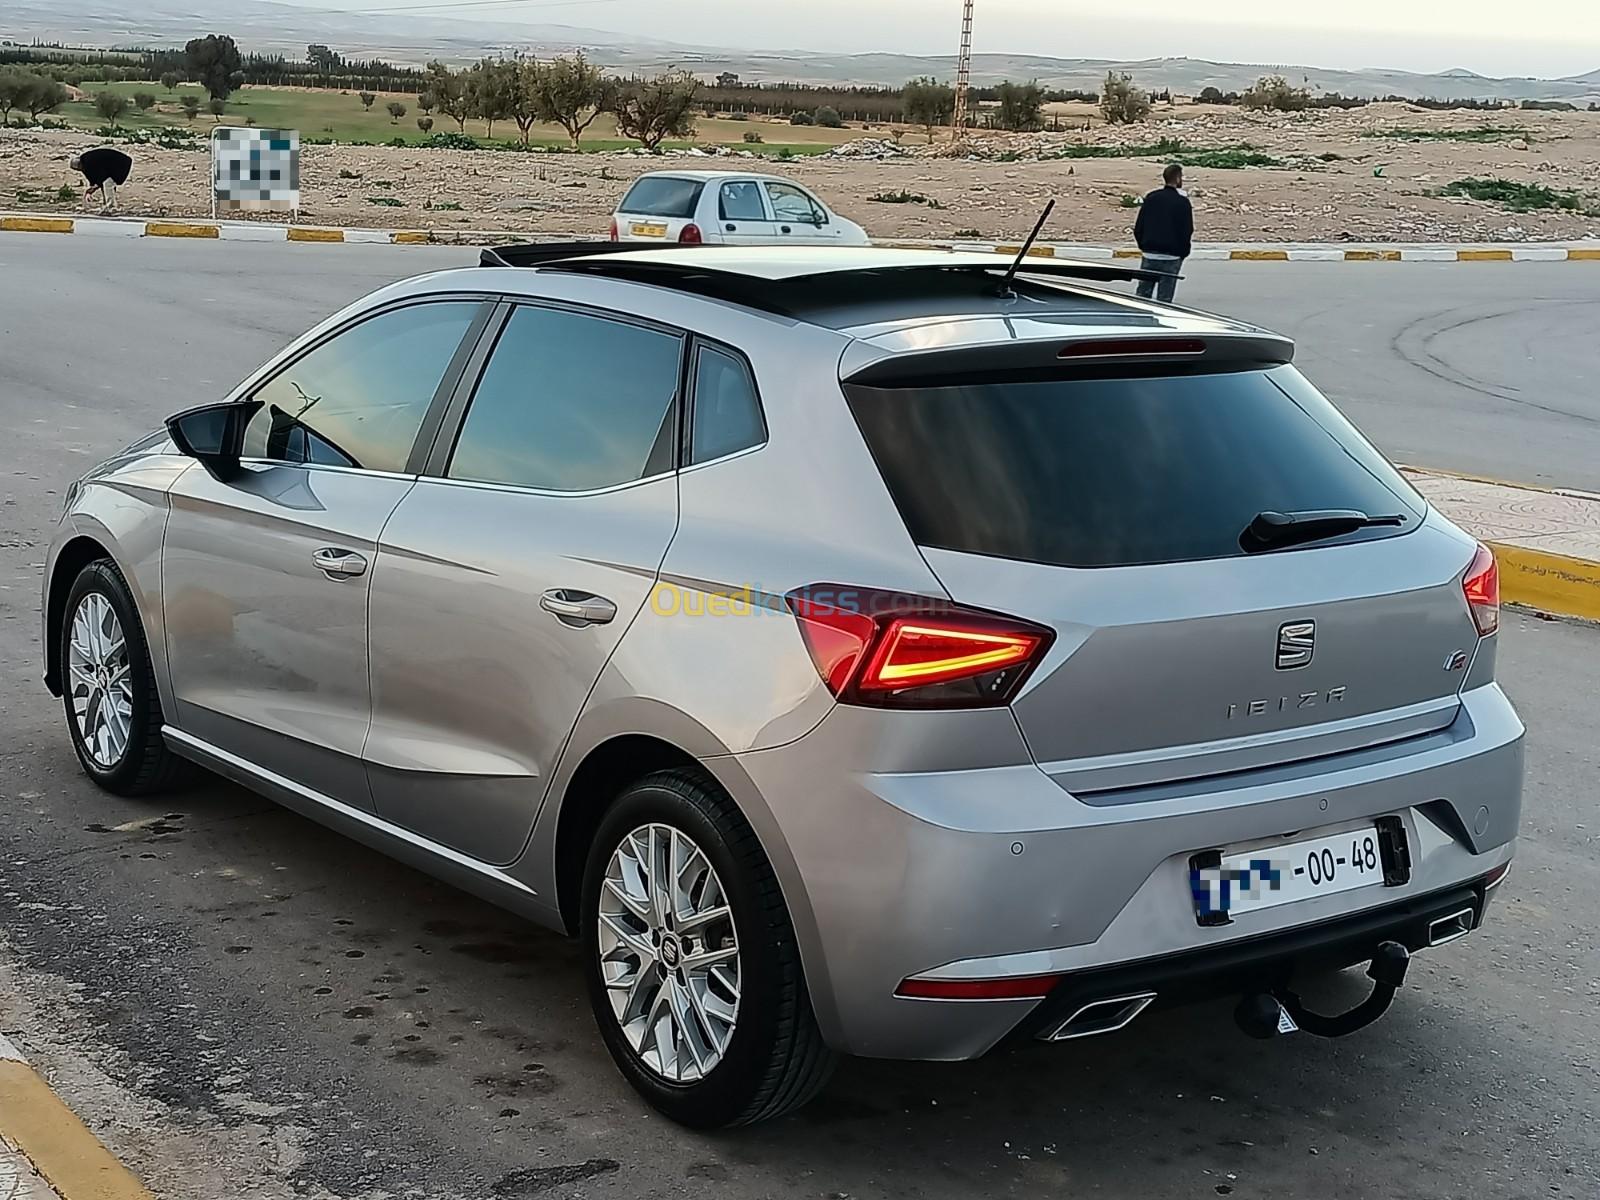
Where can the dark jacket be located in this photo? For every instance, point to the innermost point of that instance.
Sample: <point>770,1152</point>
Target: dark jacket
<point>1166,223</point>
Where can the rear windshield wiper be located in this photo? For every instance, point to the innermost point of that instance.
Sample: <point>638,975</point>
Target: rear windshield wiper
<point>1274,530</point>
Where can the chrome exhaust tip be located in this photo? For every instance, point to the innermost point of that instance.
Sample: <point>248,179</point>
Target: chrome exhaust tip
<point>1448,929</point>
<point>1101,1016</point>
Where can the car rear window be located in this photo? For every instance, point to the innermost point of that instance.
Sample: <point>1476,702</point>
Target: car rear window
<point>663,196</point>
<point>1135,469</point>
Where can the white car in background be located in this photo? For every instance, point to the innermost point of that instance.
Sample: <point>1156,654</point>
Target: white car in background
<point>730,209</point>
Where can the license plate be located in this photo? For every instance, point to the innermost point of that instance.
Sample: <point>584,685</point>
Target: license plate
<point>1250,880</point>
<point>648,229</point>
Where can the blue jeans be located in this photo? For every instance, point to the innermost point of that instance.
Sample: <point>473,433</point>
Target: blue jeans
<point>1164,288</point>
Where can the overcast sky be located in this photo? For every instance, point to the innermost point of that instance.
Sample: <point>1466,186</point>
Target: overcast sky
<point>1533,37</point>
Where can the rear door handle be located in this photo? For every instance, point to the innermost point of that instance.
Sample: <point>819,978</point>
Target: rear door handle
<point>339,564</point>
<point>578,608</point>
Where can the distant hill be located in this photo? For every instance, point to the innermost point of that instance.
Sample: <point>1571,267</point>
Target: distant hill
<point>265,26</point>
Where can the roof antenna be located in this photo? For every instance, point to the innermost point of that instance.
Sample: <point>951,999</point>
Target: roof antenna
<point>1003,287</point>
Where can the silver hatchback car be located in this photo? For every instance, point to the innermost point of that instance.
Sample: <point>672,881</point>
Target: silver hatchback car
<point>862,651</point>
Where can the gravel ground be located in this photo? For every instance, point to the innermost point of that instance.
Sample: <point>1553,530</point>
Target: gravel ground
<point>1374,190</point>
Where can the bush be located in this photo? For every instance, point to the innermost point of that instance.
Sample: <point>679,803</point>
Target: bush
<point>366,100</point>
<point>66,194</point>
<point>1121,103</point>
<point>802,118</point>
<point>396,110</point>
<point>425,123</point>
<point>905,197</point>
<point>752,137</point>
<point>1274,93</point>
<point>144,100</point>
<point>1210,95</point>
<point>1129,200</point>
<point>1518,197</point>
<point>449,140</point>
<point>828,118</point>
<point>169,80</point>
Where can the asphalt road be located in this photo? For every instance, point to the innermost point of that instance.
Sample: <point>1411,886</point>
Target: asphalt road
<point>1484,368</point>
<point>244,1004</point>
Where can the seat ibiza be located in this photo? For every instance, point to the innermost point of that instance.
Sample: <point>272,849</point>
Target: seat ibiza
<point>863,652</point>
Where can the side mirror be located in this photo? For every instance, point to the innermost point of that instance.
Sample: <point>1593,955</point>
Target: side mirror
<point>214,434</point>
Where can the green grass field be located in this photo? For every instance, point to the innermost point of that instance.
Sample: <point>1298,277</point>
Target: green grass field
<point>340,116</point>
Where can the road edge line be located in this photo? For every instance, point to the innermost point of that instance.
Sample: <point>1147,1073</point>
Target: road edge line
<point>52,1137</point>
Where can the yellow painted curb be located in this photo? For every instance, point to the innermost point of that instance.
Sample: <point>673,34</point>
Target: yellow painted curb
<point>1126,254</point>
<point>61,1148</point>
<point>180,229</point>
<point>1554,583</point>
<point>299,234</point>
<point>1484,256</point>
<point>1259,255</point>
<point>1036,252</point>
<point>410,237</point>
<point>1583,255</point>
<point>1372,256</point>
<point>37,224</point>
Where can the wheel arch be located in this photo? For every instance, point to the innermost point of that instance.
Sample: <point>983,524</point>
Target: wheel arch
<point>599,779</point>
<point>74,555</point>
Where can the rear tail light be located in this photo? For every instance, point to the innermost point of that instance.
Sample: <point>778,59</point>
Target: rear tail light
<point>1482,587</point>
<point>897,651</point>
<point>1029,987</point>
<point>690,235</point>
<point>616,234</point>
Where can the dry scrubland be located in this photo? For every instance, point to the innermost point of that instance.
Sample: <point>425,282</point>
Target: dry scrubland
<point>1380,173</point>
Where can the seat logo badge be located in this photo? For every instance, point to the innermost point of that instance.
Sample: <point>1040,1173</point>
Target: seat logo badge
<point>1297,643</point>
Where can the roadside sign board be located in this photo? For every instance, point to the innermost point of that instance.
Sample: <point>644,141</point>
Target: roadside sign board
<point>255,169</point>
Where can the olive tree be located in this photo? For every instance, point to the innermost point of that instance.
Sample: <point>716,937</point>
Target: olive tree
<point>651,110</point>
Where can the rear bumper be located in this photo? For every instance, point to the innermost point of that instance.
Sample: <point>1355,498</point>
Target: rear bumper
<point>1261,964</point>
<point>995,872</point>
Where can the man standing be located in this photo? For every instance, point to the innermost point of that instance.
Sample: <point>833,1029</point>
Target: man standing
<point>1164,231</point>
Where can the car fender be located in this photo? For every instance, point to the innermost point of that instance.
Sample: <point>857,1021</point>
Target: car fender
<point>122,506</point>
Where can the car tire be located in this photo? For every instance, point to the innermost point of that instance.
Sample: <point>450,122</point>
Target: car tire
<point>772,1058</point>
<point>108,688</point>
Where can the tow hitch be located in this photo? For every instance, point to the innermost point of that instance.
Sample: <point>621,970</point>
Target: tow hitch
<point>1268,1014</point>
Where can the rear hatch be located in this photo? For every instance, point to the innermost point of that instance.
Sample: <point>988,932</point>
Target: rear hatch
<point>1113,506</point>
<point>657,207</point>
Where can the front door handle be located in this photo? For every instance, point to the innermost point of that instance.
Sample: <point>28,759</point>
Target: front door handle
<point>578,608</point>
<point>336,563</point>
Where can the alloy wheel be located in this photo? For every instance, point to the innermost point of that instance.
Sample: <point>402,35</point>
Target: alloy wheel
<point>669,954</point>
<point>100,680</point>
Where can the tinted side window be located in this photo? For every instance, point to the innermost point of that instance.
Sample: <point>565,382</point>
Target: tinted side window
<point>571,402</point>
<point>742,202</point>
<point>359,399</point>
<point>727,413</point>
